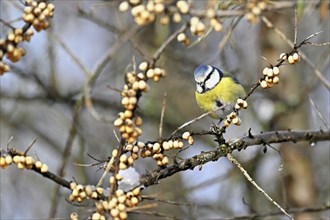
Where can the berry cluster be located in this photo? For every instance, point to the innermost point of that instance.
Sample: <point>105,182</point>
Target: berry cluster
<point>253,10</point>
<point>292,59</point>
<point>127,122</point>
<point>38,13</point>
<point>143,13</point>
<point>154,150</point>
<point>117,205</point>
<point>23,162</point>
<point>270,77</point>
<point>10,48</point>
<point>80,192</point>
<point>271,74</point>
<point>233,117</point>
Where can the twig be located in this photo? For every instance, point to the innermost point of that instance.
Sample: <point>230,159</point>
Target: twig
<point>166,201</point>
<point>161,123</point>
<point>71,54</point>
<point>248,177</point>
<point>196,119</point>
<point>107,170</point>
<point>317,72</point>
<point>161,49</point>
<point>29,147</point>
<point>9,141</point>
<point>295,25</point>
<point>65,156</point>
<point>272,214</point>
<point>97,71</point>
<point>319,114</point>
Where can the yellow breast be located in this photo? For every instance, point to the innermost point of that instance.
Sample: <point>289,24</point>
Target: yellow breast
<point>227,92</point>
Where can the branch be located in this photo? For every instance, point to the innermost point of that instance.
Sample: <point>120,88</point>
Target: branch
<point>155,175</point>
<point>249,178</point>
<point>291,210</point>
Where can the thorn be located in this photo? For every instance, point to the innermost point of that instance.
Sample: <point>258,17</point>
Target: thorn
<point>250,133</point>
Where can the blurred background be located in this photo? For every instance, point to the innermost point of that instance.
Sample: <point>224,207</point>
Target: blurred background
<point>39,94</point>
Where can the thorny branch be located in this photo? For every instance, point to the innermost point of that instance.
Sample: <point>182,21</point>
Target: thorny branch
<point>153,176</point>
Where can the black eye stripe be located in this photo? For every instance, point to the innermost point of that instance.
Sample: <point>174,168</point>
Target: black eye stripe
<point>209,75</point>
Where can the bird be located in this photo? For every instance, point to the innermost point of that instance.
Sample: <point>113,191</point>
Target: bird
<point>216,88</point>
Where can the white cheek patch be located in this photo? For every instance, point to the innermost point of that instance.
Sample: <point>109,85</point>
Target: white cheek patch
<point>199,88</point>
<point>213,80</point>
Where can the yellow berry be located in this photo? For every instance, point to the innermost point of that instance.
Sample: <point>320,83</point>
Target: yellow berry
<point>263,84</point>
<point>38,164</point>
<point>115,153</point>
<point>296,57</point>
<point>99,190</point>
<point>270,72</point>
<point>123,158</point>
<point>186,135</point>
<point>122,215</point>
<point>165,145</point>
<point>123,7</point>
<point>283,56</point>
<point>8,159</point>
<point>3,162</point>
<point>176,17</point>
<point>143,66</point>
<point>190,140</point>
<point>262,5</point>
<point>183,6</point>
<point>44,168</point>
<point>118,122</point>
<point>291,60</point>
<point>276,80</point>
<point>265,71</point>
<point>245,104</point>
<point>29,160</point>
<point>119,177</point>
<point>165,161</point>
<point>181,37</point>
<point>159,7</point>
<point>164,20</point>
<point>236,121</point>
<point>114,212</point>
<point>134,201</point>
<point>122,166</point>
<point>96,216</point>
<point>256,11</point>
<point>136,191</point>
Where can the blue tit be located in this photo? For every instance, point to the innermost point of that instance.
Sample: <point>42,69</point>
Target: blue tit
<point>216,88</point>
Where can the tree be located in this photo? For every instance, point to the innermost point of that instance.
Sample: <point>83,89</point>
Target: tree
<point>79,91</point>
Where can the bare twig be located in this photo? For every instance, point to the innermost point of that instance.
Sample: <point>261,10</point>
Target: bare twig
<point>161,49</point>
<point>98,69</point>
<point>272,214</point>
<point>295,25</point>
<point>319,113</point>
<point>107,170</point>
<point>196,119</point>
<point>71,54</point>
<point>161,124</point>
<point>248,177</point>
<point>29,147</point>
<point>65,156</point>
